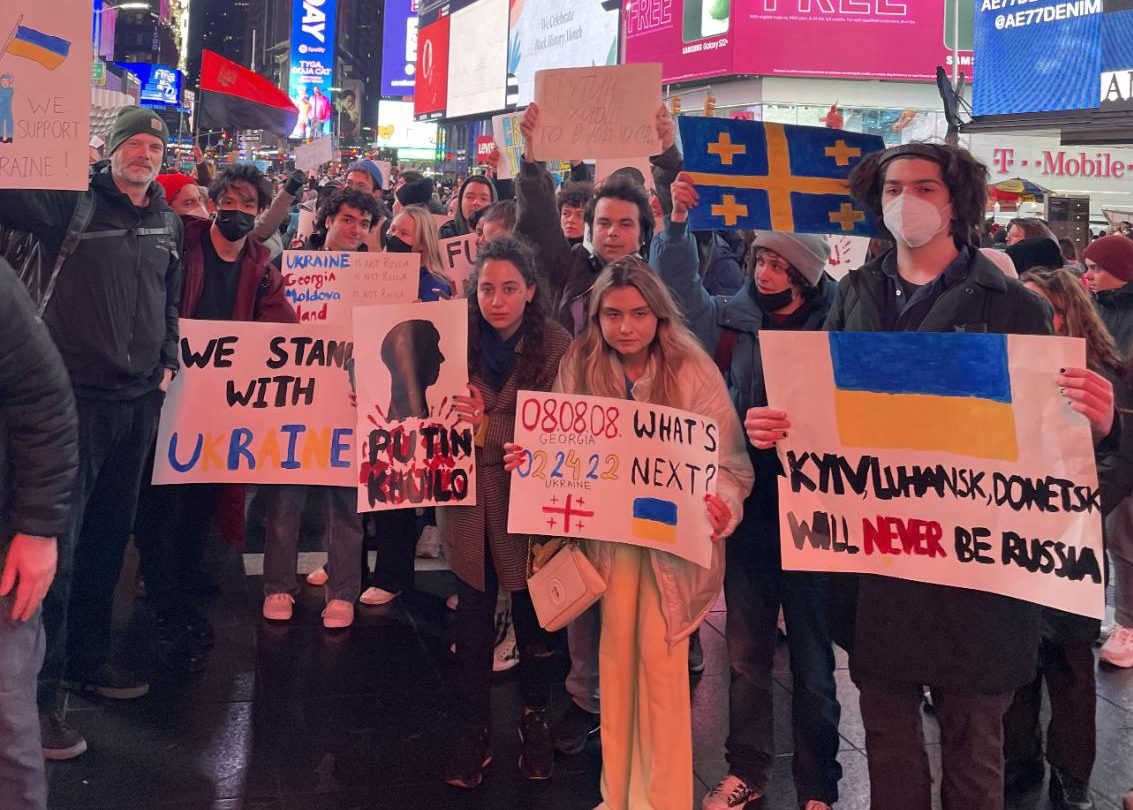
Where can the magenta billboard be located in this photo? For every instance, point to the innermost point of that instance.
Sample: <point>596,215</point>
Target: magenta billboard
<point>692,39</point>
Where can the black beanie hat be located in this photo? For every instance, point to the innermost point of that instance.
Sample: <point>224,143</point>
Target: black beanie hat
<point>1038,251</point>
<point>418,192</point>
<point>132,121</point>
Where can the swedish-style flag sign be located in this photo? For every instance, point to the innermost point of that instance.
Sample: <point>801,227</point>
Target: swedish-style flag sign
<point>774,176</point>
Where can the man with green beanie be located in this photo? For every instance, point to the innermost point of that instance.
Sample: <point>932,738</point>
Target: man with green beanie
<point>112,312</point>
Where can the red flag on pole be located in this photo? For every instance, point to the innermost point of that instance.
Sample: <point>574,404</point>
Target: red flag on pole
<point>234,97</point>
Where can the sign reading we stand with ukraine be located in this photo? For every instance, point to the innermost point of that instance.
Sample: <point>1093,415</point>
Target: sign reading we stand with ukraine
<point>949,459</point>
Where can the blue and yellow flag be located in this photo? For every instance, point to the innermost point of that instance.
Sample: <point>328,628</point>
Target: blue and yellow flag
<point>752,175</point>
<point>924,391</point>
<point>45,49</point>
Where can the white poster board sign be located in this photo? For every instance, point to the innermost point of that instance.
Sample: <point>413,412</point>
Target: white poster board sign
<point>325,285</point>
<point>310,156</point>
<point>509,140</point>
<point>459,255</point>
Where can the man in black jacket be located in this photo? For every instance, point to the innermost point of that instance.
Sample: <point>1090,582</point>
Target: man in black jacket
<point>38,434</point>
<point>113,317</point>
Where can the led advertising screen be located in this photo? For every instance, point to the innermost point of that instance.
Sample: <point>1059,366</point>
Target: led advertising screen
<point>431,80</point>
<point>552,34</point>
<point>312,65</point>
<point>860,39</point>
<point>477,71</point>
<point>160,85</point>
<point>397,128</point>
<point>399,47</point>
<point>692,39</point>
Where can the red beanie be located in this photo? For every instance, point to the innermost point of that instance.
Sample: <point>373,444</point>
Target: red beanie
<point>173,183</point>
<point>1114,254</point>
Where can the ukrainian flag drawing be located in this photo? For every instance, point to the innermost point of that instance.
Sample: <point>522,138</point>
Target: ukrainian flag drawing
<point>924,391</point>
<point>655,520</point>
<point>774,176</point>
<point>43,48</point>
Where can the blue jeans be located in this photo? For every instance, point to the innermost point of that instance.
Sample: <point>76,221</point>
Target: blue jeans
<point>755,586</point>
<point>343,539</point>
<point>23,785</point>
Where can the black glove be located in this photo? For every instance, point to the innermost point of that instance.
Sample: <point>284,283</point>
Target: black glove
<point>295,182</point>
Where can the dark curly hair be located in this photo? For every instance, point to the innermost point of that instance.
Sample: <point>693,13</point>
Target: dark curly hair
<point>529,369</point>
<point>620,187</point>
<point>965,177</point>
<point>355,199</point>
<point>575,193</point>
<point>242,173</point>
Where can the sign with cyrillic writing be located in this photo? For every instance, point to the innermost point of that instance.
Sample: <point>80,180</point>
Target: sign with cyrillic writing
<point>258,403</point>
<point>949,458</point>
<point>614,469</point>
<point>459,255</point>
<point>324,285</point>
<point>413,450</point>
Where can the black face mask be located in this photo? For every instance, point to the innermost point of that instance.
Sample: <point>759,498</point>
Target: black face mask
<point>773,302</point>
<point>396,245</point>
<point>234,225</point>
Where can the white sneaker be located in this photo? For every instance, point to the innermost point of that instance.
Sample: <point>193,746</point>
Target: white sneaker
<point>506,654</point>
<point>429,544</point>
<point>277,607</point>
<point>731,793</point>
<point>1118,648</point>
<point>318,577</point>
<point>376,596</point>
<point>338,614</point>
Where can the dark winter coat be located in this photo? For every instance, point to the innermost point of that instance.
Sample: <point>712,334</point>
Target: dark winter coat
<point>38,425</point>
<point>940,636</point>
<point>113,315</point>
<point>1116,310</point>
<point>458,225</point>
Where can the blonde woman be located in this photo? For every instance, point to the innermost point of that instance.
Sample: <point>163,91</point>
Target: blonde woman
<point>635,346</point>
<point>414,230</point>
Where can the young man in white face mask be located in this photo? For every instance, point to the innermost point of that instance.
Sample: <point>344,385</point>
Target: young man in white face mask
<point>972,648</point>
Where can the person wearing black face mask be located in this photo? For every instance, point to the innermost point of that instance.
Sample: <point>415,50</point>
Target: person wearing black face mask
<point>227,275</point>
<point>787,288</point>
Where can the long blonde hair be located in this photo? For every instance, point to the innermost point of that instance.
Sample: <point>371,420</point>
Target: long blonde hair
<point>427,245</point>
<point>596,365</point>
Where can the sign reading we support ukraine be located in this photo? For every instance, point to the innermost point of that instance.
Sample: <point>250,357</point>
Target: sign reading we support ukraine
<point>949,459</point>
<point>263,403</point>
<point>752,175</point>
<point>614,469</point>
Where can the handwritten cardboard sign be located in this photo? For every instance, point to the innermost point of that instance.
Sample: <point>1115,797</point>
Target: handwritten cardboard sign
<point>310,156</point>
<point>325,285</point>
<point>45,70</point>
<point>846,253</point>
<point>509,140</point>
<point>459,255</point>
<point>597,112</point>
<point>941,458</point>
<point>413,451</point>
<point>260,403</point>
<point>614,469</point>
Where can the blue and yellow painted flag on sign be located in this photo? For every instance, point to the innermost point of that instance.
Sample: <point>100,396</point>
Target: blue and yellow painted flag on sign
<point>752,175</point>
<point>924,391</point>
<point>655,519</point>
<point>45,49</point>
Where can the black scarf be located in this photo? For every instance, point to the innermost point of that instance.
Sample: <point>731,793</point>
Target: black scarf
<point>792,321</point>
<point>497,355</point>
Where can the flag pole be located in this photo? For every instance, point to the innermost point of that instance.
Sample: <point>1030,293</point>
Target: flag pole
<point>12,35</point>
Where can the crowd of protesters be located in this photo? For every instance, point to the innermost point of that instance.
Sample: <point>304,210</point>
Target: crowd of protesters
<point>583,287</point>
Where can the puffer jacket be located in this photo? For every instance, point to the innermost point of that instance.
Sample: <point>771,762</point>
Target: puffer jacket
<point>688,591</point>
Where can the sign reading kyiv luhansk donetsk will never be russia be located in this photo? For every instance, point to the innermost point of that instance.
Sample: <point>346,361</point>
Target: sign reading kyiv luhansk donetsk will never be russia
<point>613,469</point>
<point>943,458</point>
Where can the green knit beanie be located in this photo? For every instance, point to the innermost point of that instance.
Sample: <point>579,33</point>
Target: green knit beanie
<point>134,120</point>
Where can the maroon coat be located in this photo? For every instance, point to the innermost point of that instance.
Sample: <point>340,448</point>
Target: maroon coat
<point>259,293</point>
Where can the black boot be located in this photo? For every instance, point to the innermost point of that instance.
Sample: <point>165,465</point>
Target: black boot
<point>472,755</point>
<point>537,762</point>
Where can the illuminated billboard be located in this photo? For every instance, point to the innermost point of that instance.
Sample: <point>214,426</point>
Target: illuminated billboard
<point>399,47</point>
<point>160,84</point>
<point>312,65</point>
<point>477,70</point>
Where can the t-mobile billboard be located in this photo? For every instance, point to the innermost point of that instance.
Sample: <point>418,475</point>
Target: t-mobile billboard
<point>312,65</point>
<point>692,39</point>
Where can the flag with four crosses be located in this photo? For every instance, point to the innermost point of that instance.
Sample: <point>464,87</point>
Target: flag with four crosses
<point>774,177</point>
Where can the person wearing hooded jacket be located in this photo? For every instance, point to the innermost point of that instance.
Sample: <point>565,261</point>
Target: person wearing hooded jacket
<point>787,288</point>
<point>476,193</point>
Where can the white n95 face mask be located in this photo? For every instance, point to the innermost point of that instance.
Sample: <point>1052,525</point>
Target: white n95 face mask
<point>912,221</point>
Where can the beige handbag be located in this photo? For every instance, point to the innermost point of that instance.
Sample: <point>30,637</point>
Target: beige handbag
<point>564,586</point>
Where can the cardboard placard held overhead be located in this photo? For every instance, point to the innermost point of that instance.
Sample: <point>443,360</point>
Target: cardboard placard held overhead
<point>509,140</point>
<point>459,256</point>
<point>45,92</point>
<point>945,458</point>
<point>597,112</point>
<point>310,156</point>
<point>325,285</point>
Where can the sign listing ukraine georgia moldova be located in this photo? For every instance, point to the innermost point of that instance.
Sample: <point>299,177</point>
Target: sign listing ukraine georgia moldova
<point>616,470</point>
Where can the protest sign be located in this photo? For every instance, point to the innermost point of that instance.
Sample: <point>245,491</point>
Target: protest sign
<point>386,169</point>
<point>459,255</point>
<point>258,403</point>
<point>310,156</point>
<point>413,451</point>
<point>324,285</point>
<point>306,225</point>
<point>604,167</point>
<point>597,112</point>
<point>45,92</point>
<point>942,458</point>
<point>614,469</point>
<point>846,253</point>
<point>509,140</point>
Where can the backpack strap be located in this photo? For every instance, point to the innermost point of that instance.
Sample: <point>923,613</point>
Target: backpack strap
<point>80,220</point>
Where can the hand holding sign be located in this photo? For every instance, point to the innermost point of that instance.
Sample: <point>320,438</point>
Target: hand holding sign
<point>766,426</point>
<point>685,197</point>
<point>1091,394</point>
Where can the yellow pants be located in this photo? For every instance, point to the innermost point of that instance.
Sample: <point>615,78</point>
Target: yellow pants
<point>646,711</point>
